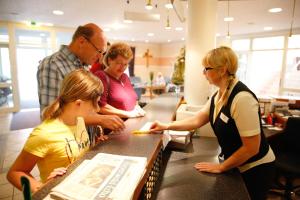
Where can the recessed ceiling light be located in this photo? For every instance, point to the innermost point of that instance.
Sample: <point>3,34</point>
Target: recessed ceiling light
<point>169,5</point>
<point>268,28</point>
<point>169,40</point>
<point>150,34</point>
<point>106,29</point>
<point>146,41</point>
<point>178,28</point>
<point>127,21</point>
<point>57,12</point>
<point>228,19</point>
<point>132,39</point>
<point>275,10</point>
<point>183,39</point>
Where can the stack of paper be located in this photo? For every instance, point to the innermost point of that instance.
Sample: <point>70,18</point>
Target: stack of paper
<point>176,139</point>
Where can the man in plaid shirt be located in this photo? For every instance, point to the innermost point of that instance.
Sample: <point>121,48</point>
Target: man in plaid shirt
<point>88,45</point>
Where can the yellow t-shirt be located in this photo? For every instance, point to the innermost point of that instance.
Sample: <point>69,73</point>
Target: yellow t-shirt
<point>57,144</point>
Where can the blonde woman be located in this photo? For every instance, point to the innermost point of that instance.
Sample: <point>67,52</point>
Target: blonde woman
<point>62,137</point>
<point>233,112</point>
<point>119,97</point>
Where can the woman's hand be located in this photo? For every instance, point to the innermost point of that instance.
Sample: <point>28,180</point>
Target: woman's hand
<point>158,126</point>
<point>209,167</point>
<point>136,112</point>
<point>57,172</point>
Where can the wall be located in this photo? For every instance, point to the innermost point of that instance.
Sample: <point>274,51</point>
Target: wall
<point>162,60</point>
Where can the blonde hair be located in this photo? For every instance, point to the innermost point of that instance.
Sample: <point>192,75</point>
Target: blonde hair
<point>79,84</point>
<point>223,57</point>
<point>117,49</point>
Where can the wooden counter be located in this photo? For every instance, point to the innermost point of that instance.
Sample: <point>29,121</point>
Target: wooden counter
<point>180,174</point>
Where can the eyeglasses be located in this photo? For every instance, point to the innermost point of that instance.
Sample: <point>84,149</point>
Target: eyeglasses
<point>205,69</point>
<point>102,52</point>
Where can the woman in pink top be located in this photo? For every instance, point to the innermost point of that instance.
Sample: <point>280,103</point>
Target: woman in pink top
<point>119,97</point>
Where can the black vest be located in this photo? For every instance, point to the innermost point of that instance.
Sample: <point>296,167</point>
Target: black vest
<point>227,133</point>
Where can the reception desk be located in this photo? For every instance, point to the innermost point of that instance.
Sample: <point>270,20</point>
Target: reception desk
<point>178,166</point>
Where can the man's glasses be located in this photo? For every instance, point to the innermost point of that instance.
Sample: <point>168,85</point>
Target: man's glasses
<point>102,52</point>
<point>205,69</point>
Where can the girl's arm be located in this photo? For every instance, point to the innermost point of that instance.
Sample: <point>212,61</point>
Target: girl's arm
<point>23,165</point>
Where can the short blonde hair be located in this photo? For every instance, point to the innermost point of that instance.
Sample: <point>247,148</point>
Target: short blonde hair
<point>79,84</point>
<point>220,57</point>
<point>118,49</point>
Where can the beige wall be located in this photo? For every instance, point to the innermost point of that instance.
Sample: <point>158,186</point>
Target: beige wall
<point>162,60</point>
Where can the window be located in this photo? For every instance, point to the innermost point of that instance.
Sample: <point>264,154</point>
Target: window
<point>268,43</point>
<point>291,80</point>
<point>32,47</point>
<point>63,38</point>
<point>264,72</point>
<point>241,45</point>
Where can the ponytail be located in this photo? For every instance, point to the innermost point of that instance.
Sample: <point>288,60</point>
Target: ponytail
<point>53,110</point>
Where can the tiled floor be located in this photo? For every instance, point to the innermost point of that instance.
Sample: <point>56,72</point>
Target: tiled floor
<point>11,143</point>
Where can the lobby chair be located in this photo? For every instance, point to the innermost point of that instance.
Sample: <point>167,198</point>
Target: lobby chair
<point>138,86</point>
<point>287,150</point>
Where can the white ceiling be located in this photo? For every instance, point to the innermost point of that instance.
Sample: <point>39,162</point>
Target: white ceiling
<point>251,16</point>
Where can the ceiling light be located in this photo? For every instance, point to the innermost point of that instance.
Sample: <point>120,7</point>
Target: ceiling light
<point>169,40</point>
<point>150,34</point>
<point>149,5</point>
<point>127,21</point>
<point>228,19</point>
<point>178,28</point>
<point>57,12</point>
<point>168,27</point>
<point>169,6</point>
<point>132,39</point>
<point>218,34</point>
<point>183,39</point>
<point>106,29</point>
<point>275,10</point>
<point>292,21</point>
<point>146,41</point>
<point>268,28</point>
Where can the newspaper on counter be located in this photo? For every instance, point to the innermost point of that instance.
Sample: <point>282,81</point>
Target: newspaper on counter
<point>104,177</point>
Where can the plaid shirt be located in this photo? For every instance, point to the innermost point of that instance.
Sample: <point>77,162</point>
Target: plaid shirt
<point>52,71</point>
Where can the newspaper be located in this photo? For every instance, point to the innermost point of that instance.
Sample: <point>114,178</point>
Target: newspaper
<point>105,177</point>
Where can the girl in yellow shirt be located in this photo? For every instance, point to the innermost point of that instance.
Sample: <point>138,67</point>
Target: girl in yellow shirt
<point>62,137</point>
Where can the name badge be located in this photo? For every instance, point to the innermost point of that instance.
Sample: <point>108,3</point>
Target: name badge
<point>224,118</point>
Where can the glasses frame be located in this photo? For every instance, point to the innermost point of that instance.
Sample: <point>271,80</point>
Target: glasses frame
<point>205,69</point>
<point>102,52</point>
